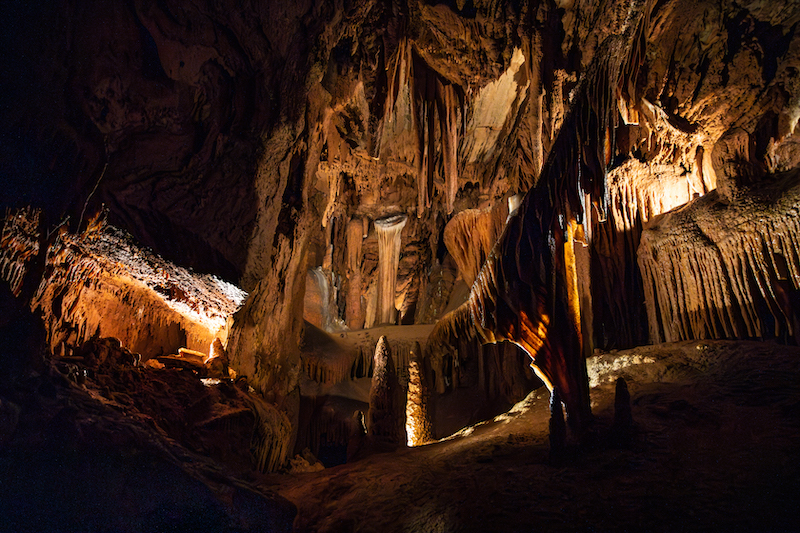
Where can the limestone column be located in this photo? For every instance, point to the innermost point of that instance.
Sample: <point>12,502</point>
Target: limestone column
<point>355,314</point>
<point>418,422</point>
<point>388,230</point>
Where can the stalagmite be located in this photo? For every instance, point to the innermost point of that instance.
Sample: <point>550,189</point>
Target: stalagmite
<point>622,428</point>
<point>448,108</point>
<point>558,429</point>
<point>217,361</point>
<point>388,230</point>
<point>418,423</point>
<point>384,418</point>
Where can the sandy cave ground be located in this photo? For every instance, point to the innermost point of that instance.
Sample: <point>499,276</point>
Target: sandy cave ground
<point>716,448</point>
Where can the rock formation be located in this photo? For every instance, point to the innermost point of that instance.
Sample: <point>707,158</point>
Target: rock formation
<point>282,177</point>
<point>418,421</point>
<point>388,230</point>
<point>384,418</point>
<point>101,284</point>
<point>726,267</point>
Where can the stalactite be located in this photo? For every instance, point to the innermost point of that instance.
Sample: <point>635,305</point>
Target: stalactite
<point>448,108</point>
<point>438,114</point>
<point>418,422</point>
<point>521,294</point>
<point>437,290</point>
<point>322,300</point>
<point>328,427</point>
<point>101,283</point>
<point>388,230</point>
<point>271,437</point>
<point>324,359</point>
<point>384,419</point>
<point>19,244</point>
<point>725,268</point>
<point>470,236</point>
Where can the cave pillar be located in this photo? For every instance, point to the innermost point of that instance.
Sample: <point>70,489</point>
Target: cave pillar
<point>388,230</point>
<point>354,311</point>
<point>385,417</point>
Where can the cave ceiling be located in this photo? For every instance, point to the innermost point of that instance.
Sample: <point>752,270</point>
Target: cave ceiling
<point>247,141</point>
<point>208,129</point>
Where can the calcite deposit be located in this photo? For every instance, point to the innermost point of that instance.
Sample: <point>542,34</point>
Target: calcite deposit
<point>246,201</point>
<point>100,283</point>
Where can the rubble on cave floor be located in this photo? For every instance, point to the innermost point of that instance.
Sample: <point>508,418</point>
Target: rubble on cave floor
<point>713,448</point>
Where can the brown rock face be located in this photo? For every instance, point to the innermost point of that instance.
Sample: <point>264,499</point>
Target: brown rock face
<point>418,421</point>
<point>262,141</point>
<point>726,267</point>
<point>101,284</point>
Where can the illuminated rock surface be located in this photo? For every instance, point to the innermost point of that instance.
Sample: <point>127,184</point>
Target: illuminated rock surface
<point>726,269</point>
<point>101,284</point>
<point>649,150</point>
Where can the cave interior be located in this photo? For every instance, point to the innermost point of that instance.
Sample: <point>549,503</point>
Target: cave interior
<point>408,265</point>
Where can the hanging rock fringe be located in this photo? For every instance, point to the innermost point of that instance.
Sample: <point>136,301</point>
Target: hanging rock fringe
<point>520,294</point>
<point>19,245</point>
<point>717,270</point>
<point>99,281</point>
<point>438,107</point>
<point>470,236</point>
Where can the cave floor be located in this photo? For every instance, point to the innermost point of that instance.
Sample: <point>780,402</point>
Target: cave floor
<point>716,448</point>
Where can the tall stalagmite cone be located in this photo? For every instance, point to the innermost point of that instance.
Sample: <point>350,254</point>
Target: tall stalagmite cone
<point>418,422</point>
<point>384,418</point>
<point>623,418</point>
<point>558,427</point>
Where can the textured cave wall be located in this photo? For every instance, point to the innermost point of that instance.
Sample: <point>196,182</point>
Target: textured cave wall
<point>161,111</point>
<point>100,284</point>
<point>260,140</point>
<point>706,70</point>
<point>726,269</point>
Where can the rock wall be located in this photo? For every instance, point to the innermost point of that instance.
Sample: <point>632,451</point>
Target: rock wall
<point>252,140</point>
<point>726,269</point>
<point>101,284</point>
